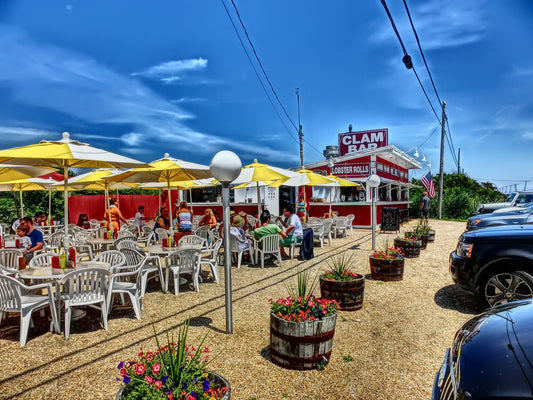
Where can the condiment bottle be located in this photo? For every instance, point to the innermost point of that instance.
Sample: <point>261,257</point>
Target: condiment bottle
<point>63,260</point>
<point>72,257</point>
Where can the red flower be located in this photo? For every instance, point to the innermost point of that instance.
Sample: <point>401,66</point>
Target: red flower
<point>140,369</point>
<point>156,368</point>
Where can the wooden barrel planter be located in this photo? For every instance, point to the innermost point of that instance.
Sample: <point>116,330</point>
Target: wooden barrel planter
<point>431,237</point>
<point>349,294</point>
<point>424,238</point>
<point>387,270</point>
<point>410,248</point>
<point>301,345</point>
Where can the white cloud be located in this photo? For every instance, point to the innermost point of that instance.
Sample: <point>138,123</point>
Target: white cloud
<point>528,135</point>
<point>171,71</point>
<point>438,24</point>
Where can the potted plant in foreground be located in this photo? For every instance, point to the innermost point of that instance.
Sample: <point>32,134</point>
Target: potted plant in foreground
<point>302,327</point>
<point>387,265</point>
<point>341,284</point>
<point>174,371</point>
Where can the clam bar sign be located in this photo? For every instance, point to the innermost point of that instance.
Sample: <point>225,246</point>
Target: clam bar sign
<point>351,170</point>
<point>352,142</point>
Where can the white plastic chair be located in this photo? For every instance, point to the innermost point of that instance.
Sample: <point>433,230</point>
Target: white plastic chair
<point>319,232</point>
<point>126,242</point>
<point>9,259</point>
<point>340,225</point>
<point>19,298</point>
<point>149,264</point>
<point>268,244</point>
<point>42,260</point>
<point>85,287</point>
<point>161,234</point>
<point>328,222</point>
<point>125,280</point>
<point>114,258</point>
<point>193,240</point>
<point>212,258</point>
<point>184,261</point>
<point>54,242</point>
<point>235,248</point>
<point>349,223</point>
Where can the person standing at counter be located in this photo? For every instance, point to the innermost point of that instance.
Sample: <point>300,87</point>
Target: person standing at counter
<point>301,207</point>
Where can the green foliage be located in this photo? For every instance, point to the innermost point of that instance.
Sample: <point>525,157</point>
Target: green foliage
<point>347,358</point>
<point>461,196</point>
<point>305,286</point>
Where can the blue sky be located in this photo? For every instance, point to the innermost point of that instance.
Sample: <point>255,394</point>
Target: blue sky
<point>144,78</point>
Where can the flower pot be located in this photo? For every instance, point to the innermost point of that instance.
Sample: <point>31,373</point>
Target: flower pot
<point>410,248</point>
<point>387,270</point>
<point>424,238</point>
<point>431,237</point>
<point>301,345</point>
<point>349,294</point>
<point>212,377</point>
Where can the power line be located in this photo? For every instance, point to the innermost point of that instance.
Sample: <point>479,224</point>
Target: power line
<point>261,65</point>
<point>257,74</point>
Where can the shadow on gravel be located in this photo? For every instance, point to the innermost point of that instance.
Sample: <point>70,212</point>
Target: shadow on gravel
<point>456,298</point>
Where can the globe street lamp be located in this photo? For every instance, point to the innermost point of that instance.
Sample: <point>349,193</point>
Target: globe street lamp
<point>373,181</point>
<point>226,167</point>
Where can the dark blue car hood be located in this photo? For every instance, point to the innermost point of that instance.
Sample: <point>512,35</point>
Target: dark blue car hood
<point>517,231</point>
<point>494,353</point>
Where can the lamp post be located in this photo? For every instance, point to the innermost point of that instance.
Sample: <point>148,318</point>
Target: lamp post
<point>226,167</point>
<point>373,181</point>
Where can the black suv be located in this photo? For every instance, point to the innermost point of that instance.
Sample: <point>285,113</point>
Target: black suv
<point>490,357</point>
<point>495,263</point>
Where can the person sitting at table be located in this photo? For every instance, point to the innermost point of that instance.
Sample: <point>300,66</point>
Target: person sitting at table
<point>162,221</point>
<point>140,218</point>
<point>36,238</point>
<point>116,215</point>
<point>292,225</point>
<point>24,243</point>
<point>267,228</point>
<point>184,218</point>
<point>208,219</point>
<point>245,227</point>
<point>236,230</point>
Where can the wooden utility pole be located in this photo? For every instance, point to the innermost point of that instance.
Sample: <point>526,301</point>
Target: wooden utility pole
<point>459,161</point>
<point>300,131</point>
<point>441,172</point>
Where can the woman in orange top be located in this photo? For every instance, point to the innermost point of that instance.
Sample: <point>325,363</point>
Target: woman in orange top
<point>208,219</point>
<point>116,215</point>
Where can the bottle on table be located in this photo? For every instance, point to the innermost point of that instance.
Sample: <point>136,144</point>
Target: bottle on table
<point>63,260</point>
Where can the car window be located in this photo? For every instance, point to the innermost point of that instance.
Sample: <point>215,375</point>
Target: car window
<point>521,199</point>
<point>529,198</point>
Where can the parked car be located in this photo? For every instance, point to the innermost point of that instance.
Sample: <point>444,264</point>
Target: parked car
<point>490,357</point>
<point>519,215</point>
<point>495,263</point>
<point>514,198</point>
<point>514,208</point>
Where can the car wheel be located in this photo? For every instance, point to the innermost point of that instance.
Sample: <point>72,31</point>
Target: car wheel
<point>508,286</point>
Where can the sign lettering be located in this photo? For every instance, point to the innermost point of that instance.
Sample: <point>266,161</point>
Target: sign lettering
<point>352,142</point>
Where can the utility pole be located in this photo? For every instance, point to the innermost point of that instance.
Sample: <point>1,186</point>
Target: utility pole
<point>441,172</point>
<point>300,131</point>
<point>459,160</point>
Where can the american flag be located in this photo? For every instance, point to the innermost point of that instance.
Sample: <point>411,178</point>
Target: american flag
<point>428,184</point>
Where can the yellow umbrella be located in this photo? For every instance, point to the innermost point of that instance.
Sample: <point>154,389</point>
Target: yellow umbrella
<point>262,174</point>
<point>166,169</point>
<point>18,172</point>
<point>66,153</point>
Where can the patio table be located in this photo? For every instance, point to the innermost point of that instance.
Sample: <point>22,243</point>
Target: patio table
<point>107,243</point>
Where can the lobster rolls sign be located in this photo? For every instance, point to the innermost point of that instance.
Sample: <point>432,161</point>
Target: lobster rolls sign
<point>352,142</point>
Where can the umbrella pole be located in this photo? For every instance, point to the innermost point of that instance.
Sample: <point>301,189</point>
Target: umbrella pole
<point>65,208</point>
<point>108,208</point>
<point>330,189</point>
<point>118,202</point>
<point>21,204</point>
<point>49,205</point>
<point>258,200</point>
<point>159,209</point>
<point>170,207</point>
<point>190,200</point>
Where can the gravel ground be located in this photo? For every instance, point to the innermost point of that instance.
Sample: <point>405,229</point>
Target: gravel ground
<point>397,340</point>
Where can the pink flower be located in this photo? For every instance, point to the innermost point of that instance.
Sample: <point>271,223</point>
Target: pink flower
<point>156,368</point>
<point>158,384</point>
<point>280,302</point>
<point>140,369</point>
<point>299,299</point>
<point>310,303</point>
<point>149,379</point>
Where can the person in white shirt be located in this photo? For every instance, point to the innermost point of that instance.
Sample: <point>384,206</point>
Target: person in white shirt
<point>140,218</point>
<point>293,228</point>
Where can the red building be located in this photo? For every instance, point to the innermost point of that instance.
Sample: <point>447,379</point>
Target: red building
<point>359,155</point>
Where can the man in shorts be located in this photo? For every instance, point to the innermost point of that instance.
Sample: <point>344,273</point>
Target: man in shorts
<point>293,227</point>
<point>424,208</point>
